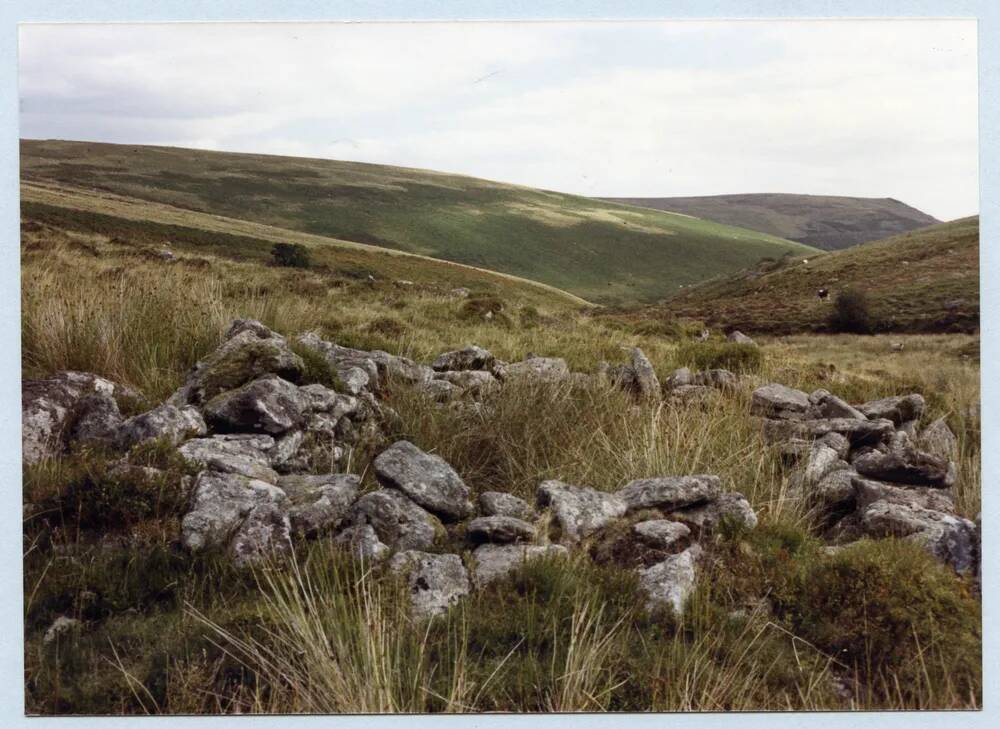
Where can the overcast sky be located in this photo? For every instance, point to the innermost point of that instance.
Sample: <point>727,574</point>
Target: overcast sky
<point>869,108</point>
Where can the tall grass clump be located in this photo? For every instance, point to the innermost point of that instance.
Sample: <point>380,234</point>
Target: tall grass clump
<point>739,358</point>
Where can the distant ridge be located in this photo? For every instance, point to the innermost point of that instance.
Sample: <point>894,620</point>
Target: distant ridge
<point>822,221</point>
<point>600,251</point>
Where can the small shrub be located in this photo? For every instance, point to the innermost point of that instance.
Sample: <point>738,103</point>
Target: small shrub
<point>851,313</point>
<point>530,317</point>
<point>740,358</point>
<point>387,326</point>
<point>291,255</point>
<point>317,370</point>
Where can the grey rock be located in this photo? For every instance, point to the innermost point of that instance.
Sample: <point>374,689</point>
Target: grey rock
<point>400,369</point>
<point>948,537</point>
<point>499,530</point>
<point>474,382</point>
<point>497,503</point>
<point>834,493</point>
<point>903,463</point>
<point>689,393</point>
<point>779,402</point>
<point>245,455</point>
<point>541,369</point>
<point>249,351</point>
<point>265,534</point>
<point>47,406</point>
<point>399,522</point>
<point>718,379</point>
<point>95,421</point>
<point>670,492</point>
<point>729,505</point>
<point>579,510</point>
<point>938,440</point>
<point>440,391</point>
<point>838,442</point>
<point>680,378</point>
<point>220,503</point>
<point>343,360</point>
<point>858,432</point>
<point>661,533</point>
<point>637,377</point>
<point>670,583</point>
<point>268,404</point>
<point>826,405</point>
<point>496,561</point>
<point>63,625</point>
<point>739,337</point>
<point>363,543</point>
<point>469,358</point>
<point>285,451</point>
<point>436,581</point>
<point>425,478</point>
<point>319,502</point>
<point>175,424</point>
<point>898,409</point>
<point>868,492</point>
<point>822,460</point>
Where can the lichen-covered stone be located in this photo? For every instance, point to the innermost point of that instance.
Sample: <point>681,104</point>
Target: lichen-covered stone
<point>425,478</point>
<point>780,402</point>
<point>319,502</point>
<point>174,424</point>
<point>245,455</point>
<point>399,523</point>
<point>670,583</point>
<point>898,409</point>
<point>269,404</point>
<point>579,510</point>
<point>220,503</point>
<point>435,581</point>
<point>499,530</point>
<point>471,357</point>
<point>497,503</point>
<point>670,492</point>
<point>496,561</point>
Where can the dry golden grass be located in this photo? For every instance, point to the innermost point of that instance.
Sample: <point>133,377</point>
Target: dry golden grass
<point>325,638</point>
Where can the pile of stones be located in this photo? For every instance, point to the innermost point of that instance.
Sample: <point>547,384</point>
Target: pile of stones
<point>870,470</point>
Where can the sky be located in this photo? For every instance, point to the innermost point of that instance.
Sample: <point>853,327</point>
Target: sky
<point>866,108</point>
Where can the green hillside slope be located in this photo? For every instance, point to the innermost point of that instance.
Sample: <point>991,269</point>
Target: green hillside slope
<point>924,281</point>
<point>823,221</point>
<point>601,251</point>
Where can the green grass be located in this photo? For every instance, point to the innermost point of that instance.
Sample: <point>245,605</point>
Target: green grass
<point>923,281</point>
<point>601,251</point>
<point>166,632</point>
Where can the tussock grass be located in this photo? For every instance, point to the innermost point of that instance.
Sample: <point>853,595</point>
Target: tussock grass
<point>166,632</point>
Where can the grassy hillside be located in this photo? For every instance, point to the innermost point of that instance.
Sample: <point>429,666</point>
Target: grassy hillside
<point>600,251</point>
<point>822,221</point>
<point>163,631</point>
<point>924,281</point>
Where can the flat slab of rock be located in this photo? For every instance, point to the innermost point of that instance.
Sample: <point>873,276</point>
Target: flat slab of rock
<point>681,377</point>
<point>780,402</point>
<point>245,455</point>
<point>425,478</point>
<point>906,464</point>
<point>319,502</point>
<point>898,409</point>
<point>739,337</point>
<point>670,492</point>
<point>661,533</point>
<point>398,522</point>
<point>731,506</point>
<point>497,503</point>
<point>474,382</point>
<point>220,503</point>
<point>579,510</point>
<point>496,561</point>
<point>499,530</point>
<point>826,405</point>
<point>467,358</point>
<point>669,583</point>
<point>175,424</point>
<point>436,581</point>
<point>716,378</point>
<point>858,432</point>
<point>269,404</point>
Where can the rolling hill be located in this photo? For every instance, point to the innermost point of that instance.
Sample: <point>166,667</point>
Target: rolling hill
<point>923,281</point>
<point>601,251</point>
<point>821,221</point>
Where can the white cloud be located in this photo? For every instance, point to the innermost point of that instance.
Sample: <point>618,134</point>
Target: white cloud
<point>837,107</point>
